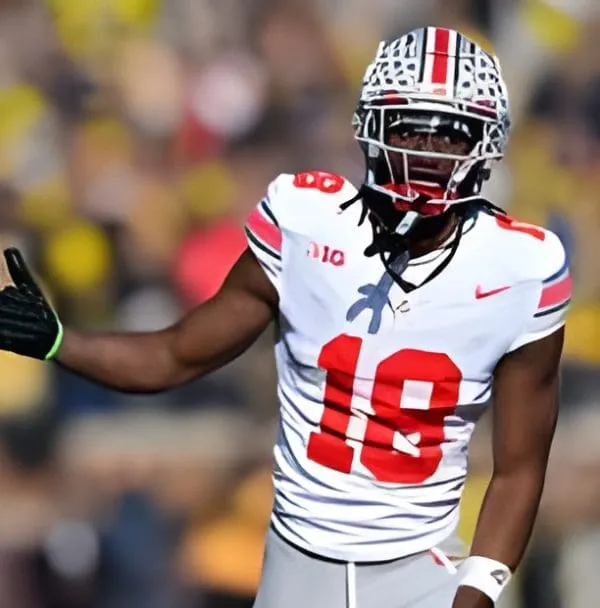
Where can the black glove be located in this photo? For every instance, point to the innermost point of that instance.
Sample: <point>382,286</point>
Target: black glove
<point>28,325</point>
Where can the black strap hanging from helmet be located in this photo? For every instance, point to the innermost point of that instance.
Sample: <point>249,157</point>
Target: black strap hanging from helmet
<point>393,249</point>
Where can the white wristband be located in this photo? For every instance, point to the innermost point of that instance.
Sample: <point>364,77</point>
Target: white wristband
<point>487,575</point>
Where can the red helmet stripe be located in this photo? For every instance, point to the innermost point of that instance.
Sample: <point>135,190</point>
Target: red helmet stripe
<point>440,60</point>
<point>440,56</point>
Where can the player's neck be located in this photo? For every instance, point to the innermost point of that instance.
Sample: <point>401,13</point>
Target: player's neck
<point>426,244</point>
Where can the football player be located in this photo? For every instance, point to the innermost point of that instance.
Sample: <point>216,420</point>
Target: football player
<point>401,308</point>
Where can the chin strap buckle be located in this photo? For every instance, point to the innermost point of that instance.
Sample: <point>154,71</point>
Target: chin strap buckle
<point>406,223</point>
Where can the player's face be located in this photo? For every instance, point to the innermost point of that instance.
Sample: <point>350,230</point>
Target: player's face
<point>423,168</point>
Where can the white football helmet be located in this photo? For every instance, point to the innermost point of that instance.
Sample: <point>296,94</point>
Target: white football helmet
<point>432,80</point>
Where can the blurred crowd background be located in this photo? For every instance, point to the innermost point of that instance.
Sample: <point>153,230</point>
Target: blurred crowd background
<point>135,136</point>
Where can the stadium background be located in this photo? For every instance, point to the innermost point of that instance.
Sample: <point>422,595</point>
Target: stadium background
<point>135,135</point>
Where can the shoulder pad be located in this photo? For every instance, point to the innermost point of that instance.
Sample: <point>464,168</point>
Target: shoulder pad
<point>538,252</point>
<point>312,186</point>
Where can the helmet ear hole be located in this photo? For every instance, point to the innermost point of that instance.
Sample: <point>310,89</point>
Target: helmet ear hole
<point>471,184</point>
<point>357,120</point>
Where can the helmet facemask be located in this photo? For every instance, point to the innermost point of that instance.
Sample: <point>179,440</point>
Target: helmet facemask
<point>423,162</point>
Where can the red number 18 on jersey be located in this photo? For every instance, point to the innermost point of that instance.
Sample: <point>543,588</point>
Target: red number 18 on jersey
<point>400,444</point>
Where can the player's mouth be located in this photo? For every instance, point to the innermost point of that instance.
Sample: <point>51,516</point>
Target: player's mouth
<point>427,180</point>
<point>421,194</point>
<point>421,168</point>
<point>437,171</point>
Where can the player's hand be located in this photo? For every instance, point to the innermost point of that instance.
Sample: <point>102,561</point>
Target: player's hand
<point>469,597</point>
<point>28,324</point>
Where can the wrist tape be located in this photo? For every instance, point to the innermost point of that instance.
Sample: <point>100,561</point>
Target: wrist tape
<point>487,575</point>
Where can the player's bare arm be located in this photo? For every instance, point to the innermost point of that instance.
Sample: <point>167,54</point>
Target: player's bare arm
<point>208,337</point>
<point>525,411</point>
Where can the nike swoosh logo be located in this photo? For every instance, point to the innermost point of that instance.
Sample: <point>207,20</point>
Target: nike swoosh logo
<point>500,576</point>
<point>480,294</point>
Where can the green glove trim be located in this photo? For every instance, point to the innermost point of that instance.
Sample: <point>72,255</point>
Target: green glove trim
<point>57,343</point>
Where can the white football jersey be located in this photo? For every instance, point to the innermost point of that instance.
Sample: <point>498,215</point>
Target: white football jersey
<point>380,389</point>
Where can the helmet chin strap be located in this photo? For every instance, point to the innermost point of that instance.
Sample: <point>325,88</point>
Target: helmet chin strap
<point>393,251</point>
<point>393,247</point>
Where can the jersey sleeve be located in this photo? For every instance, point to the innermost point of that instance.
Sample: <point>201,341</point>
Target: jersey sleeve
<point>264,236</point>
<point>553,295</point>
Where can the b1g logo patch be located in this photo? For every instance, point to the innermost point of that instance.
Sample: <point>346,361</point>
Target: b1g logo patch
<point>325,254</point>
